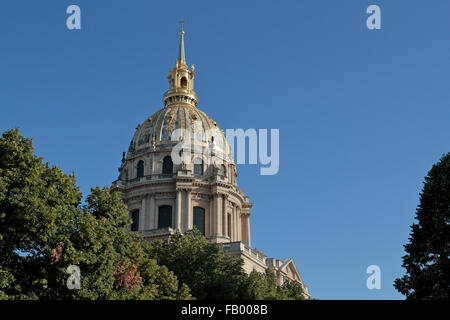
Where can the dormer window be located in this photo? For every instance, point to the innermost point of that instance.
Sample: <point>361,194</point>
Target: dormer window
<point>140,169</point>
<point>198,166</point>
<point>222,171</point>
<point>167,165</point>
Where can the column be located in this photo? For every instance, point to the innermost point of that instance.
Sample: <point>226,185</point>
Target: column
<point>247,219</point>
<point>244,229</point>
<point>239,224</point>
<point>224,215</point>
<point>148,214</point>
<point>189,218</point>
<point>178,211</point>
<point>153,213</point>
<point>244,240</point>
<point>212,232</point>
<point>217,215</point>
<point>142,214</point>
<point>235,231</point>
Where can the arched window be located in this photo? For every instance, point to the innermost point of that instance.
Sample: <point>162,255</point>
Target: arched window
<point>198,166</point>
<point>135,218</point>
<point>167,165</point>
<point>222,171</point>
<point>140,169</point>
<point>165,217</point>
<point>184,82</point>
<point>199,219</point>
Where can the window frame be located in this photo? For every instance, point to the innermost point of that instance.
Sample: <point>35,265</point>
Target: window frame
<point>203,212</point>
<point>198,165</point>
<point>135,220</point>
<point>140,169</point>
<point>166,163</point>
<point>160,226</point>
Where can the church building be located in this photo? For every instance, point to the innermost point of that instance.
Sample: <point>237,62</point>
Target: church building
<point>164,195</point>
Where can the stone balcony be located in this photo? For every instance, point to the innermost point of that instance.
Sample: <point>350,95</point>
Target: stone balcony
<point>154,234</point>
<point>240,247</point>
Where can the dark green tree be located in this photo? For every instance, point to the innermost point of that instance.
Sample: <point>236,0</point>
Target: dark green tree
<point>427,260</point>
<point>44,229</point>
<point>114,260</point>
<point>201,265</point>
<point>260,286</point>
<point>37,204</point>
<point>290,291</point>
<point>211,274</point>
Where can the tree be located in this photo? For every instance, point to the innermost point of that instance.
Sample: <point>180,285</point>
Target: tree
<point>115,260</point>
<point>263,286</point>
<point>44,229</point>
<point>260,286</point>
<point>37,203</point>
<point>202,266</point>
<point>211,274</point>
<point>427,260</point>
<point>290,290</point>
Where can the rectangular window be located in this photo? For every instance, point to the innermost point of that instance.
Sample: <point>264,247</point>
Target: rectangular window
<point>199,219</point>
<point>165,217</point>
<point>135,218</point>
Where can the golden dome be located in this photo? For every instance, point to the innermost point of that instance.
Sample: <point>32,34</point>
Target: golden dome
<point>160,131</point>
<point>180,119</point>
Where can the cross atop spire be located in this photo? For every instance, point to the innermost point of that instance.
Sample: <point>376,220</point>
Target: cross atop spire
<point>181,22</point>
<point>181,53</point>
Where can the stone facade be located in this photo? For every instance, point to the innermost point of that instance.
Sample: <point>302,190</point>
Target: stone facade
<point>199,188</point>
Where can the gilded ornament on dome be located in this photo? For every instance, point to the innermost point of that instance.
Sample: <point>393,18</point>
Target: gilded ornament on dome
<point>170,122</point>
<point>196,124</point>
<point>145,135</point>
<point>193,115</point>
<point>154,143</point>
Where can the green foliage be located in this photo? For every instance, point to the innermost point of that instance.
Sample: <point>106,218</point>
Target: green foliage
<point>37,203</point>
<point>259,286</point>
<point>115,260</point>
<point>290,291</point>
<point>211,274</point>
<point>202,266</point>
<point>44,229</point>
<point>6,279</point>
<point>427,260</point>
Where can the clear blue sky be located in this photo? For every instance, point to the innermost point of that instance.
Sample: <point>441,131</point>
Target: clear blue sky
<point>362,114</point>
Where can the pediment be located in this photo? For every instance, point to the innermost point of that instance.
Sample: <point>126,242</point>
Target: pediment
<point>291,270</point>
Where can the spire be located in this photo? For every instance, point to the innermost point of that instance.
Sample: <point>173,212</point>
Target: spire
<point>181,80</point>
<point>181,54</point>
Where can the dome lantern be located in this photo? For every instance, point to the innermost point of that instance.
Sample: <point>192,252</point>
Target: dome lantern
<point>181,80</point>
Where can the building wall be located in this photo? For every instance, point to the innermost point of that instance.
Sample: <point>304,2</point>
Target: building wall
<point>225,205</point>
